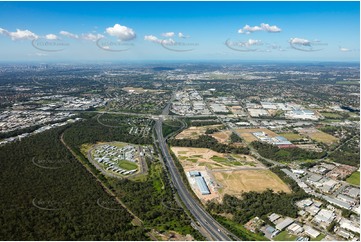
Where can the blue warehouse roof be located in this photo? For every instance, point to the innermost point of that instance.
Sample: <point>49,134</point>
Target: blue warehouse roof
<point>202,185</point>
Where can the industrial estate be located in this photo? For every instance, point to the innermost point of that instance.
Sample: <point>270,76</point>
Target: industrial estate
<point>231,159</point>
<point>180,121</point>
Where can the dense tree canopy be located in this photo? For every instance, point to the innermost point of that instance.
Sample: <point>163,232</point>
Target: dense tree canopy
<point>205,141</point>
<point>288,154</point>
<point>56,198</point>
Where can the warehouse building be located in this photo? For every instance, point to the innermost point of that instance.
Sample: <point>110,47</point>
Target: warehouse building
<point>202,185</point>
<point>325,216</point>
<point>273,217</point>
<point>284,224</point>
<point>194,173</point>
<point>311,231</point>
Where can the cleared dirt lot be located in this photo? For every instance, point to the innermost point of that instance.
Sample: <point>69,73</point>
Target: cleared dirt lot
<point>237,182</point>
<point>247,135</point>
<point>230,174</point>
<point>194,158</point>
<point>195,131</point>
<point>318,135</point>
<point>222,136</point>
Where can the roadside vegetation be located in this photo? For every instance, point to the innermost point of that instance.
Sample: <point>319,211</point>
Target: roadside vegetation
<point>206,141</point>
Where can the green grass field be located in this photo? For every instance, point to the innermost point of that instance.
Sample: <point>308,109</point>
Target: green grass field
<point>127,165</point>
<point>331,115</point>
<point>284,236</point>
<point>291,136</point>
<point>192,160</point>
<point>354,179</point>
<point>219,159</point>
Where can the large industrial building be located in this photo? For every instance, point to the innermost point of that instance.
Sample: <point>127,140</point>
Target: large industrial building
<point>201,183</point>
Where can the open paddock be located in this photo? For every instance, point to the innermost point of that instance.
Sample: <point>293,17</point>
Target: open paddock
<point>247,135</point>
<point>195,131</point>
<point>240,181</point>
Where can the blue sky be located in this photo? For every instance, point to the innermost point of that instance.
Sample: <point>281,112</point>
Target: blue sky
<point>93,31</point>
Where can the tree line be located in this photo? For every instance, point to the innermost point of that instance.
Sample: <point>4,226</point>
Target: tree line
<point>261,204</point>
<point>206,141</point>
<point>286,154</point>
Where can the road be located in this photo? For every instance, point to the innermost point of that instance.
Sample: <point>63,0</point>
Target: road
<point>166,109</point>
<point>206,221</point>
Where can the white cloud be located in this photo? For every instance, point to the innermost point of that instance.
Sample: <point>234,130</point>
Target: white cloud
<point>168,34</point>
<point>121,32</point>
<point>92,37</point>
<point>51,37</point>
<point>342,49</point>
<point>152,38</point>
<point>69,35</point>
<point>253,42</point>
<point>88,36</point>
<point>248,28</point>
<point>23,34</point>
<point>19,34</point>
<point>167,42</point>
<point>271,29</point>
<point>4,31</point>
<point>263,27</point>
<point>181,35</point>
<point>248,43</point>
<point>299,41</point>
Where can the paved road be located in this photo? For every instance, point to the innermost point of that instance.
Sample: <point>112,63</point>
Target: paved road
<point>206,221</point>
<point>166,109</point>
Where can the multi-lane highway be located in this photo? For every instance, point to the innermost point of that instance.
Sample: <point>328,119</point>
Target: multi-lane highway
<point>214,230</point>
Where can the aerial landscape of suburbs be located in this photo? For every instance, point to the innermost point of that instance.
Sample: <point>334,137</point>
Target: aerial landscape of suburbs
<point>179,146</point>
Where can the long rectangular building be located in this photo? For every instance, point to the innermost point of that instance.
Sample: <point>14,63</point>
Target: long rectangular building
<point>202,185</point>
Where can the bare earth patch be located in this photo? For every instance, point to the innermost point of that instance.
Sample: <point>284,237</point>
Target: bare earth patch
<point>195,131</point>
<point>318,135</point>
<point>240,181</point>
<point>231,174</point>
<point>247,135</point>
<point>222,136</point>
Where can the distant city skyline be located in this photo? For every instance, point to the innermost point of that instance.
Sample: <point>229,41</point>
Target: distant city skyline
<point>141,31</point>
